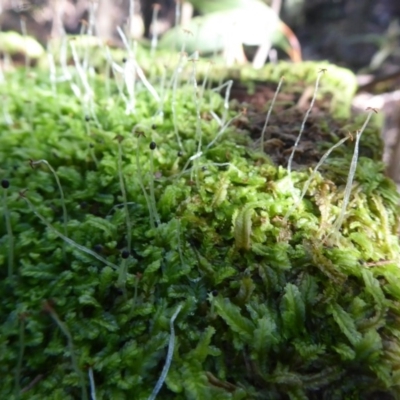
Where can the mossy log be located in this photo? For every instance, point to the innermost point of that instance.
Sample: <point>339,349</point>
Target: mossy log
<point>160,238</point>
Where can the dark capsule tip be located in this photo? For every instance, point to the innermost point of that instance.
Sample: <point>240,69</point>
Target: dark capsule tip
<point>154,126</point>
<point>5,183</point>
<point>87,118</point>
<point>152,145</point>
<point>98,248</point>
<point>125,254</point>
<point>124,60</point>
<point>214,293</point>
<point>180,153</point>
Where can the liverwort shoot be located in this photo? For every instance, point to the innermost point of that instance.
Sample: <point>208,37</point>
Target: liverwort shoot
<point>303,124</point>
<point>5,184</point>
<point>269,114</point>
<point>170,353</point>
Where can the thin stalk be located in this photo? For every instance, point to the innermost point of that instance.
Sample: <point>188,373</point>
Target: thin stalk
<point>64,329</point>
<point>174,84</point>
<point>67,239</point>
<point>125,199</point>
<point>222,130</point>
<point>82,73</point>
<point>130,83</point>
<point>92,384</point>
<point>152,193</point>
<point>139,70</point>
<point>154,34</point>
<point>312,176</point>
<point>140,180</point>
<point>303,124</point>
<point>24,34</point>
<point>269,114</point>
<point>121,281</point>
<point>205,80</point>
<point>90,29</point>
<point>353,166</point>
<point>21,340</point>
<point>228,86</point>
<point>64,208</point>
<point>170,353</point>
<point>10,235</point>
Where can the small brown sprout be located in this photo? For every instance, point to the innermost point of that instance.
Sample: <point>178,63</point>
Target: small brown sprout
<point>375,110</point>
<point>140,134</point>
<point>22,193</point>
<point>188,32</point>
<point>119,138</point>
<point>350,135</point>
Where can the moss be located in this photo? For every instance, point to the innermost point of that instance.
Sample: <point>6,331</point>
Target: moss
<point>266,305</point>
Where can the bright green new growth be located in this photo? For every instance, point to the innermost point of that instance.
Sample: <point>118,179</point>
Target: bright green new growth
<point>266,309</point>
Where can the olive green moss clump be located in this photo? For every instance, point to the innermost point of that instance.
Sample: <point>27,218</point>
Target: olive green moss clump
<point>268,304</point>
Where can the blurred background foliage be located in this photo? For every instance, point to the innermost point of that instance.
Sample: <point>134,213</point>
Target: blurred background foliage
<point>362,35</point>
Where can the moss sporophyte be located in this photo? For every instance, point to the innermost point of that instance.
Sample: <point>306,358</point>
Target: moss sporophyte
<point>178,257</point>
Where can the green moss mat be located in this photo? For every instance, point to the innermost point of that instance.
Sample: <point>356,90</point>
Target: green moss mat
<point>207,252</point>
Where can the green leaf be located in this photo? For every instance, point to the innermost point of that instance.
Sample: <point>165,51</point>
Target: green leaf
<point>345,351</point>
<point>292,311</point>
<point>345,323</point>
<point>232,316</point>
<point>265,336</point>
<point>201,351</point>
<point>194,381</point>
